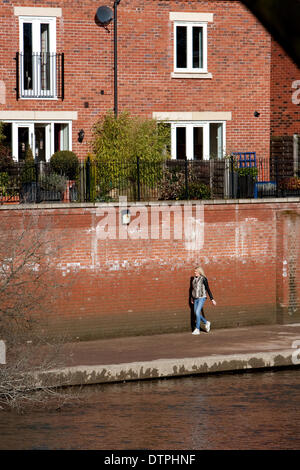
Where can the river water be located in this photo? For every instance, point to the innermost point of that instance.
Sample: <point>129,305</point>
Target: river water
<point>227,411</point>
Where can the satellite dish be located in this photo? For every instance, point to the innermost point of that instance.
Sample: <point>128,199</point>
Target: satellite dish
<point>104,15</point>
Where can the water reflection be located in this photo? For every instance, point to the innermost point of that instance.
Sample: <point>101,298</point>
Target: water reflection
<point>238,411</point>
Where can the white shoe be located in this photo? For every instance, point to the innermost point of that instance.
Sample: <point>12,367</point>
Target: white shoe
<point>196,332</point>
<point>207,326</point>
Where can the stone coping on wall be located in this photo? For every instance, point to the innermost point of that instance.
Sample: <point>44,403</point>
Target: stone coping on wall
<point>90,205</point>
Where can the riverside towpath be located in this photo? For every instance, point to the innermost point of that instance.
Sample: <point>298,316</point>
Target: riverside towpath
<point>177,354</point>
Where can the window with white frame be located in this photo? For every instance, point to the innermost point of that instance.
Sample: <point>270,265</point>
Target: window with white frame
<point>37,57</point>
<point>44,138</point>
<point>190,47</point>
<point>197,140</point>
<point>190,44</point>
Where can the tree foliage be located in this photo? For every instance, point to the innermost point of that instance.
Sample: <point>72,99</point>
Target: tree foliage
<point>119,144</point>
<point>126,137</point>
<point>6,160</point>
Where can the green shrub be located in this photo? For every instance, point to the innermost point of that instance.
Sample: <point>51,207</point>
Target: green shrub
<point>6,160</point>
<point>4,183</point>
<point>125,137</point>
<point>247,171</point>
<point>66,163</point>
<point>118,142</point>
<point>172,186</point>
<point>53,182</point>
<point>2,136</point>
<point>291,183</point>
<point>198,191</point>
<point>28,174</point>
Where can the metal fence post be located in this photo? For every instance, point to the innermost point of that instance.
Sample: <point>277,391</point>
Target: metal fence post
<point>276,174</point>
<point>211,176</point>
<point>232,177</point>
<point>138,179</point>
<point>88,180</point>
<point>186,174</point>
<point>17,77</point>
<point>82,181</point>
<point>37,186</point>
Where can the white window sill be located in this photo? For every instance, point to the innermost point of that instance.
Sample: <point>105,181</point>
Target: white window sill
<point>191,75</point>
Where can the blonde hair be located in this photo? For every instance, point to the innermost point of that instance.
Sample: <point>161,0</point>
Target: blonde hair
<point>200,270</point>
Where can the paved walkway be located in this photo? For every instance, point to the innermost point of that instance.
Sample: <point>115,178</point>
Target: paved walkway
<point>173,355</point>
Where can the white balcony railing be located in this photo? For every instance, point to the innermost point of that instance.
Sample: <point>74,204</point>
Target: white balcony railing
<point>40,75</point>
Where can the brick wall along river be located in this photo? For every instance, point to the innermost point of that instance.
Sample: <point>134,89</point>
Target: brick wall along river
<point>122,280</point>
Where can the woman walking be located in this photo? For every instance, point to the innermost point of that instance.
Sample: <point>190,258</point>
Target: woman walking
<point>199,289</point>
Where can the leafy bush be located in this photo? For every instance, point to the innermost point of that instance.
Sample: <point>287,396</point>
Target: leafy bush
<point>292,183</point>
<point>6,160</point>
<point>2,136</point>
<point>244,170</point>
<point>4,183</point>
<point>28,174</point>
<point>125,137</point>
<point>172,187</point>
<point>247,171</point>
<point>199,191</point>
<point>118,142</point>
<point>53,182</point>
<point>66,163</point>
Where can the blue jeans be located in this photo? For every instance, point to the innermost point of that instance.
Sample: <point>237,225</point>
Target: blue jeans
<point>198,305</point>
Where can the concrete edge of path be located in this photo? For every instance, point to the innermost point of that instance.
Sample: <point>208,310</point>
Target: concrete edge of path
<point>163,368</point>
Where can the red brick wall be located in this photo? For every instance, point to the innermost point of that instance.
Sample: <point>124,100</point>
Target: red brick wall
<point>239,55</point>
<point>285,99</point>
<point>129,286</point>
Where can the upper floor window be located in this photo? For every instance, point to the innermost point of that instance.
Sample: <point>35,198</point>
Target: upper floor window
<point>190,47</point>
<point>190,44</point>
<point>38,59</point>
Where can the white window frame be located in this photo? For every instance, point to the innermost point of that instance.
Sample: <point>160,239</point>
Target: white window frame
<point>189,25</point>
<point>189,125</point>
<point>49,135</point>
<point>36,22</point>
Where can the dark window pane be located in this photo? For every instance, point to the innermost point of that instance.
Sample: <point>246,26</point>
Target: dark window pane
<point>197,47</point>
<point>180,142</point>
<point>198,143</point>
<point>181,47</point>
<point>27,37</point>
<point>27,55</point>
<point>23,142</point>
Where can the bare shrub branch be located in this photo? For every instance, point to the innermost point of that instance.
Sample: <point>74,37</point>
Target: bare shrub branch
<point>28,285</point>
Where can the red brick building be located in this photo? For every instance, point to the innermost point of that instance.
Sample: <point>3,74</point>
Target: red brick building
<point>209,67</point>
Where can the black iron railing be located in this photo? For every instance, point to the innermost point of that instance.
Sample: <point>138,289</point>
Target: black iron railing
<point>141,180</point>
<point>40,75</point>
